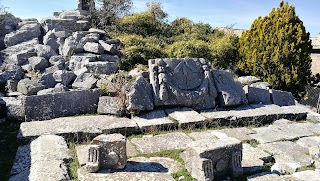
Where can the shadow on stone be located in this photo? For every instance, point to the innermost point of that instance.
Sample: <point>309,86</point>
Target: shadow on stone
<point>133,166</point>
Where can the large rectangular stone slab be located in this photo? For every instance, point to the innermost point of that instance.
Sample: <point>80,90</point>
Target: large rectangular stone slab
<point>257,95</point>
<point>170,141</point>
<point>43,159</point>
<point>45,107</point>
<point>285,131</point>
<point>253,159</point>
<point>154,121</point>
<point>186,117</point>
<point>79,126</point>
<point>289,156</point>
<point>282,98</point>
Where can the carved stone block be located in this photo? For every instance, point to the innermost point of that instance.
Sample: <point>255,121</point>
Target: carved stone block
<point>213,160</point>
<point>107,152</point>
<point>182,82</point>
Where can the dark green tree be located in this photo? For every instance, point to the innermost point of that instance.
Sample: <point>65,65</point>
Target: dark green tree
<point>277,50</point>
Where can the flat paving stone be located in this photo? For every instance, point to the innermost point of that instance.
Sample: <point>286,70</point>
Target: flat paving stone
<point>138,168</point>
<point>281,132</point>
<point>253,115</point>
<point>203,135</point>
<point>169,141</point>
<point>308,142</point>
<point>265,176</point>
<point>307,175</point>
<point>186,117</point>
<point>253,159</point>
<point>79,125</point>
<point>242,134</point>
<point>289,156</point>
<point>45,158</point>
<point>154,121</point>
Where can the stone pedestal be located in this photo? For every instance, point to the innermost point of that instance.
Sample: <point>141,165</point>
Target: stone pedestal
<point>213,160</point>
<point>107,152</point>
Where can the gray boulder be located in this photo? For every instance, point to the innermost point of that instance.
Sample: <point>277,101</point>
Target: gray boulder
<point>85,81</point>
<point>25,33</point>
<point>102,67</point>
<point>57,60</point>
<point>140,97</point>
<point>29,87</point>
<point>230,93</point>
<point>110,48</point>
<point>261,85</point>
<point>282,98</point>
<point>50,39</point>
<point>38,63</point>
<point>8,24</point>
<point>112,41</point>
<point>59,88</point>
<point>14,107</point>
<point>98,31</point>
<point>92,37</point>
<point>93,48</point>
<point>12,86</point>
<point>48,80</point>
<point>65,25</point>
<point>21,57</point>
<point>45,51</point>
<point>64,77</point>
<point>16,74</point>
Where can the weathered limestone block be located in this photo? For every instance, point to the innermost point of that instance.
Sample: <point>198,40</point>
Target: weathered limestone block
<point>230,93</point>
<point>45,158</point>
<point>182,82</point>
<point>48,80</point>
<point>64,77</point>
<point>12,85</point>
<point>261,85</point>
<point>85,81</point>
<point>282,98</point>
<point>25,33</point>
<point>111,48</point>
<point>85,4</point>
<point>92,37</point>
<point>213,160</point>
<point>59,88</point>
<point>13,50</point>
<point>16,74</point>
<point>107,152</point>
<point>20,57</point>
<point>43,107</point>
<point>257,95</point>
<point>29,87</point>
<point>38,63</point>
<point>45,51</point>
<point>65,25</point>
<point>93,48</point>
<point>8,25</point>
<point>140,96</point>
<point>102,67</point>
<point>247,80</point>
<point>110,105</point>
<point>15,107</point>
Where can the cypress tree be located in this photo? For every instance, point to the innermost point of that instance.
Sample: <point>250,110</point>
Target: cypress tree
<point>277,50</point>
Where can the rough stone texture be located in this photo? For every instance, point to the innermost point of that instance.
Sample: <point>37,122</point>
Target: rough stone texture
<point>38,63</point>
<point>45,51</point>
<point>110,48</point>
<point>261,85</point>
<point>93,48</point>
<point>110,105</point>
<point>113,153</point>
<point>209,160</point>
<point>65,25</point>
<point>64,77</point>
<point>289,156</point>
<point>15,108</point>
<point>44,107</point>
<point>48,80</point>
<point>43,159</point>
<point>242,134</point>
<point>247,80</point>
<point>84,125</point>
<point>182,82</point>
<point>186,117</point>
<point>230,93</point>
<point>154,121</point>
<point>59,88</point>
<point>170,141</point>
<point>29,87</point>
<point>16,74</point>
<point>203,135</point>
<point>139,168</point>
<point>265,176</point>
<point>307,175</point>
<point>85,81</point>
<point>257,95</point>
<point>25,33</point>
<point>253,115</point>
<point>285,131</point>
<point>282,98</point>
<point>140,96</point>
<point>102,67</point>
<point>253,159</point>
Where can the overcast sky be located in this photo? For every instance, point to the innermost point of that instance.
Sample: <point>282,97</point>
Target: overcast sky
<point>218,13</point>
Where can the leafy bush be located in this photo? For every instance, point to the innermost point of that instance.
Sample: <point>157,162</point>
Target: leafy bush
<point>277,50</point>
<point>189,49</point>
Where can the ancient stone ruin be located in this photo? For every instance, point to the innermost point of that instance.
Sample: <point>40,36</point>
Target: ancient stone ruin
<point>60,78</point>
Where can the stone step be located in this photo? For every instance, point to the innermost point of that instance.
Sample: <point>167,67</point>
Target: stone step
<point>159,120</point>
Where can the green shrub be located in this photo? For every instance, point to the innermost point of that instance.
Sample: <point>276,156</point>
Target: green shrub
<point>189,49</point>
<point>277,50</point>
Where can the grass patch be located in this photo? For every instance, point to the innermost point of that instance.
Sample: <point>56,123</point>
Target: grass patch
<point>310,167</point>
<point>74,165</point>
<point>253,143</point>
<point>8,147</point>
<point>175,155</point>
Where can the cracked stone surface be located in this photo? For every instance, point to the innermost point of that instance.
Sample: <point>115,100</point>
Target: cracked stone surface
<point>186,117</point>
